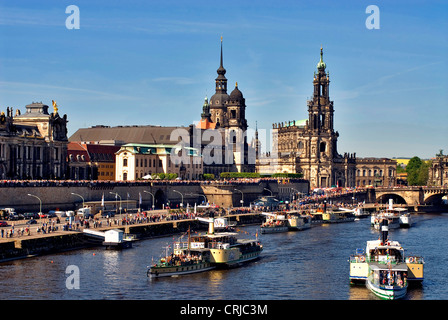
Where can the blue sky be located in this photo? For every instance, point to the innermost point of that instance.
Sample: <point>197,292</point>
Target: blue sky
<point>153,62</point>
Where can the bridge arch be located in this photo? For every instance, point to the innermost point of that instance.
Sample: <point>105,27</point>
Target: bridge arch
<point>384,198</point>
<point>160,199</point>
<point>435,197</point>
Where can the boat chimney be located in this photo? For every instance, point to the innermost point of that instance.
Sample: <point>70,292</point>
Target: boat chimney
<point>384,230</point>
<point>391,201</point>
<point>211,223</point>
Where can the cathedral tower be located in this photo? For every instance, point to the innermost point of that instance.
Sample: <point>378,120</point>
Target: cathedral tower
<point>219,101</point>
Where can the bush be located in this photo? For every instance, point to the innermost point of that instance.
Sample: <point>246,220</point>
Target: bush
<point>236,175</point>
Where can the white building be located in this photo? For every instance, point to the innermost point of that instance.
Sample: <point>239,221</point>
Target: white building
<point>136,161</point>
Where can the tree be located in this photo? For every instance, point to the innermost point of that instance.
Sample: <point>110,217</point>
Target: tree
<point>417,171</point>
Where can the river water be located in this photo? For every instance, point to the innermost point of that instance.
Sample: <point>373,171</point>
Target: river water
<point>310,264</point>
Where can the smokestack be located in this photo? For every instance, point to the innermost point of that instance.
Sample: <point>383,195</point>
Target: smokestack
<point>384,230</point>
<point>211,223</point>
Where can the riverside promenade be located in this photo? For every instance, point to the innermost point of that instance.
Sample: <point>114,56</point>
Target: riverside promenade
<point>21,241</point>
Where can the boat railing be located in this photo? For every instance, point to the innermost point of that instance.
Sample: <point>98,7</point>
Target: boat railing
<point>360,258</point>
<point>180,245</point>
<point>414,259</point>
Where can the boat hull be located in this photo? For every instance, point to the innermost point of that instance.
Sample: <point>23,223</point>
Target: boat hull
<point>266,230</point>
<point>225,258</point>
<point>170,271</point>
<point>387,292</point>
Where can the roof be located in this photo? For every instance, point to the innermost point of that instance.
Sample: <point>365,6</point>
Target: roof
<point>393,267</point>
<point>205,124</point>
<point>126,134</point>
<point>138,148</point>
<point>76,152</point>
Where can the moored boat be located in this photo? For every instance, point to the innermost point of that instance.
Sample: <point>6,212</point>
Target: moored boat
<point>333,216</point>
<point>289,221</point>
<point>274,223</point>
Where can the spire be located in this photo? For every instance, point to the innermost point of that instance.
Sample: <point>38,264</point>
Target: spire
<point>221,70</point>
<point>221,52</point>
<point>321,64</point>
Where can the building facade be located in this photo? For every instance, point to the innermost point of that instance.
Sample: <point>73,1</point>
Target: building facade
<point>33,145</point>
<point>377,172</point>
<point>438,171</point>
<point>91,161</point>
<point>224,117</point>
<point>310,147</point>
<point>142,161</point>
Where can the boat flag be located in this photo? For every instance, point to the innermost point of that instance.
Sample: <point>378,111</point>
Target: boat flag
<point>139,198</point>
<point>102,200</point>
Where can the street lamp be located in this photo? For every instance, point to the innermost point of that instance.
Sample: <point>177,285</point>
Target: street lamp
<point>75,194</point>
<point>182,204</point>
<point>153,200</point>
<point>197,194</point>
<point>269,191</point>
<point>242,196</point>
<point>116,194</point>
<point>40,202</point>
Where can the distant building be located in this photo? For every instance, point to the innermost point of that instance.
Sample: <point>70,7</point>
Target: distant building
<point>91,161</point>
<point>142,161</point>
<point>33,145</point>
<point>377,172</point>
<point>438,171</point>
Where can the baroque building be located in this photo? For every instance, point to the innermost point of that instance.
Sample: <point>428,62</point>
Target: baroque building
<point>309,147</point>
<point>33,145</point>
<point>438,171</point>
<point>224,117</point>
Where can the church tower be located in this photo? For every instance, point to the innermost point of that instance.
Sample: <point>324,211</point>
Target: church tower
<point>321,115</point>
<point>219,101</point>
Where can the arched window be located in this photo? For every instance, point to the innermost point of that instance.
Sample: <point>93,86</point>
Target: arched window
<point>322,147</point>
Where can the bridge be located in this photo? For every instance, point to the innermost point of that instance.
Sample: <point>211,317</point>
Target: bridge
<point>412,195</point>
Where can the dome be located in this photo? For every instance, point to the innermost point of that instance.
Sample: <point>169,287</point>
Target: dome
<point>219,100</point>
<point>236,94</point>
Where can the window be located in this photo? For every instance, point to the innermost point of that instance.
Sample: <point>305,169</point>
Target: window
<point>125,176</point>
<point>125,163</point>
<point>322,147</point>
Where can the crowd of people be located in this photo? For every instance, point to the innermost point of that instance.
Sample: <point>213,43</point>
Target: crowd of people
<point>112,183</point>
<point>313,201</point>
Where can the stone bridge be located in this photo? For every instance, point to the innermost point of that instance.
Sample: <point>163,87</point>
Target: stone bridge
<point>412,195</point>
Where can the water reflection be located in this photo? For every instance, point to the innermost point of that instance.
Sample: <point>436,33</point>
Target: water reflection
<point>310,264</point>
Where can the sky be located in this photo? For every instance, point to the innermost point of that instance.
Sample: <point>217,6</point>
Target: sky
<point>153,62</point>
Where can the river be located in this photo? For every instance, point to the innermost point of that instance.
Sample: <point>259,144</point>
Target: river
<point>304,265</point>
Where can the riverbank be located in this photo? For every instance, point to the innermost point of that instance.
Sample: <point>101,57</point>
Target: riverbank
<point>25,246</point>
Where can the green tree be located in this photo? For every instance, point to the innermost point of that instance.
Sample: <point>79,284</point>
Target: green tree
<point>417,171</point>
